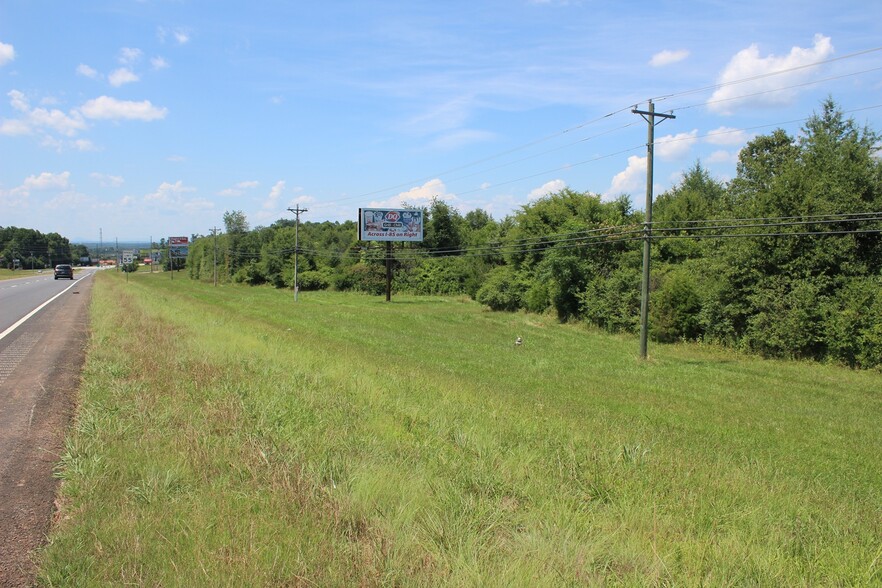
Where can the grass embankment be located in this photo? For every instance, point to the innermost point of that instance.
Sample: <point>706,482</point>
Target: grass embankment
<point>228,436</point>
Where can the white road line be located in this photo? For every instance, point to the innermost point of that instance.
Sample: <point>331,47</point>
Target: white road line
<point>38,309</point>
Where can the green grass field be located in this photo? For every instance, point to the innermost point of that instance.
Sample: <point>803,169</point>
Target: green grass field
<point>232,437</point>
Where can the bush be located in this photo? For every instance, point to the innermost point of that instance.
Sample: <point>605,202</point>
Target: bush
<point>788,320</point>
<point>250,274</point>
<point>675,308</point>
<point>854,324</point>
<point>613,303</point>
<point>503,290</point>
<point>310,280</point>
<point>363,277</point>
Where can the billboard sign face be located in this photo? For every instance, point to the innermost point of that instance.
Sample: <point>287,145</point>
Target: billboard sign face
<point>178,247</point>
<point>384,224</point>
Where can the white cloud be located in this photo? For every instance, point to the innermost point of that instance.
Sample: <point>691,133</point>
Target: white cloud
<point>14,127</point>
<point>727,136</point>
<point>668,57</point>
<point>47,181</point>
<point>70,200</point>
<point>122,76</point>
<point>546,189</point>
<point>169,194</point>
<point>180,35</point>
<point>723,156</point>
<point>673,147</point>
<point>761,90</point>
<point>7,53</point>
<point>158,63</point>
<point>239,189</point>
<point>107,181</point>
<point>58,121</point>
<point>105,107</point>
<point>628,180</point>
<point>129,56</point>
<point>18,101</point>
<point>275,193</point>
<point>418,196</point>
<point>86,71</point>
<point>54,119</point>
<point>84,145</point>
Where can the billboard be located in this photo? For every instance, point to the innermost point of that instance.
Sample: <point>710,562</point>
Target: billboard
<point>178,247</point>
<point>384,224</point>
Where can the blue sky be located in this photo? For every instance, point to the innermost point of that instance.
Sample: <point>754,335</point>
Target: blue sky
<point>136,119</point>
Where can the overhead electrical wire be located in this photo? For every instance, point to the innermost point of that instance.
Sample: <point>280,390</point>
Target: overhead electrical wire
<point>605,117</point>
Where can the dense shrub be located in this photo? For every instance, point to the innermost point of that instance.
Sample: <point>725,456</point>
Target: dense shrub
<point>503,289</point>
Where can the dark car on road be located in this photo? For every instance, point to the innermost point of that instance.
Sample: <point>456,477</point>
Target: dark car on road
<point>64,270</point>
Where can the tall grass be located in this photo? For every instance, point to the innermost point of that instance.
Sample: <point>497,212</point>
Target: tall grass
<point>230,436</point>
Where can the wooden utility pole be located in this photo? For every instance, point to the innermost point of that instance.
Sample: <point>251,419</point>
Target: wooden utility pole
<point>214,232</point>
<point>649,116</point>
<point>296,210</point>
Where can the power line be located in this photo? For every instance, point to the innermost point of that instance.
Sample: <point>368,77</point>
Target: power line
<point>596,120</point>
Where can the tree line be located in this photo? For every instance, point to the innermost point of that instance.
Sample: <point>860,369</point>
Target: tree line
<point>784,260</point>
<point>22,248</point>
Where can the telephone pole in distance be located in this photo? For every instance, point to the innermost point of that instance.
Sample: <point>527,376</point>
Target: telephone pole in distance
<point>296,210</point>
<point>649,116</point>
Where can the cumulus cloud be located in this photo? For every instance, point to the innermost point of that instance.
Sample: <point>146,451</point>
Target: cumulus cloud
<point>727,136</point>
<point>169,193</point>
<point>64,123</point>
<point>630,179</point>
<point>122,76</point>
<point>239,189</point>
<point>18,101</point>
<point>47,181</point>
<point>107,181</point>
<point>83,145</point>
<point>105,107</point>
<point>272,200</point>
<point>7,53</point>
<point>14,127</point>
<point>129,56</point>
<point>181,36</point>
<point>418,196</point>
<point>86,71</point>
<point>723,156</point>
<point>762,89</point>
<point>667,57</point>
<point>158,63</point>
<point>673,147</point>
<point>546,189</point>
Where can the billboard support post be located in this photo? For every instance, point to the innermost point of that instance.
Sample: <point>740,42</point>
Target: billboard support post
<point>388,271</point>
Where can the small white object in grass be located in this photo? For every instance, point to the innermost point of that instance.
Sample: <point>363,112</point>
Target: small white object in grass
<point>519,341</point>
